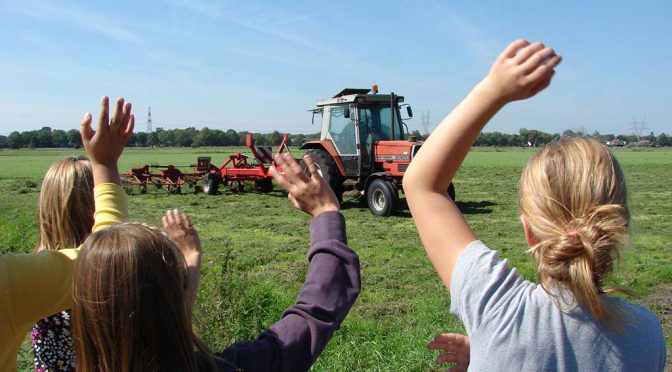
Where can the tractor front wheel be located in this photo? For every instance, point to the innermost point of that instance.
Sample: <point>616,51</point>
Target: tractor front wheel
<point>382,197</point>
<point>210,183</point>
<point>326,167</point>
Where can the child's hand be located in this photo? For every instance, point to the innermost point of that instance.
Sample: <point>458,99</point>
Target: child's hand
<point>182,232</point>
<point>105,145</point>
<point>186,238</point>
<point>521,71</point>
<point>457,348</point>
<point>311,195</point>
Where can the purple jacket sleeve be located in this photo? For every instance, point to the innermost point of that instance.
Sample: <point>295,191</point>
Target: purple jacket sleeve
<point>332,284</point>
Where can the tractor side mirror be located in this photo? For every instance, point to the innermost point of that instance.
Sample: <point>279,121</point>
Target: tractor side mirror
<point>409,111</point>
<point>346,112</point>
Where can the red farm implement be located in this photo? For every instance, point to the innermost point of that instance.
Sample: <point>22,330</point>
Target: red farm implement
<point>169,176</point>
<point>239,169</point>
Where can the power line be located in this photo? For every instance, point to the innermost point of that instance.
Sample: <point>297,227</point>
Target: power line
<point>149,120</point>
<point>425,122</point>
<point>638,127</point>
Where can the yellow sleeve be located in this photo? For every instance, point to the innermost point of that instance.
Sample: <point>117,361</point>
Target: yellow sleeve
<point>34,286</point>
<point>111,205</point>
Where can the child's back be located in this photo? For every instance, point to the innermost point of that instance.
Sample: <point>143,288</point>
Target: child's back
<point>517,324</point>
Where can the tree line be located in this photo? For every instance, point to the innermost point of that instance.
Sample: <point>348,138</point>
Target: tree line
<point>192,137</point>
<point>534,138</point>
<point>189,137</point>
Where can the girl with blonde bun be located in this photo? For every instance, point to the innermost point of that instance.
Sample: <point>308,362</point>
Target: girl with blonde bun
<point>573,208</point>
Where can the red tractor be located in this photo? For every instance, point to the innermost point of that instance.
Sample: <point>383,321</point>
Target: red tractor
<point>364,141</point>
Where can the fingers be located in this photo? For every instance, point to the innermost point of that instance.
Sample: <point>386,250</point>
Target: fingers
<point>85,130</point>
<point>169,219</point>
<point>537,59</point>
<point>129,129</point>
<point>293,174</point>
<point>174,220</point>
<point>528,51</point>
<point>449,358</point>
<point>117,122</point>
<point>292,169</point>
<point>545,70</point>
<point>104,116</point>
<point>312,168</point>
<point>511,50</point>
<point>279,178</point>
<point>451,338</point>
<point>185,221</point>
<point>125,119</point>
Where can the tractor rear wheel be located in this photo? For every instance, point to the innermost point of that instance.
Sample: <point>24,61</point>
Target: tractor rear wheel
<point>210,183</point>
<point>382,197</point>
<point>326,167</point>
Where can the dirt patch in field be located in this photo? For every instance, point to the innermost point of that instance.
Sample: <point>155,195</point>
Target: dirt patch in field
<point>660,302</point>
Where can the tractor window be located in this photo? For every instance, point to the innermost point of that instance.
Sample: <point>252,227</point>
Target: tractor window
<point>374,121</point>
<point>342,131</point>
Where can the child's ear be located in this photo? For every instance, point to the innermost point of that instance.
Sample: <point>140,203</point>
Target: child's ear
<point>529,235</point>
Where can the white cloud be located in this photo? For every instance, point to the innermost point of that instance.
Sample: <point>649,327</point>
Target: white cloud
<point>78,17</point>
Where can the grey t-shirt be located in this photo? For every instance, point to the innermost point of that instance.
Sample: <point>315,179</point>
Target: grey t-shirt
<point>514,325</point>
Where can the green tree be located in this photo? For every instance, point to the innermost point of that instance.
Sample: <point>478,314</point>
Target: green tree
<point>15,140</point>
<point>152,139</point>
<point>59,138</point>
<point>73,138</point>
<point>140,139</point>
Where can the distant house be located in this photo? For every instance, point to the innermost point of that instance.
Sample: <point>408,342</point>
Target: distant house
<point>616,143</point>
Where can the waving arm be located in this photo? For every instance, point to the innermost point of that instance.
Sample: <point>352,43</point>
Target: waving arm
<point>521,71</point>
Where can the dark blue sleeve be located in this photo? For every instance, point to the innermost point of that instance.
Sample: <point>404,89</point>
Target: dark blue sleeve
<point>331,287</point>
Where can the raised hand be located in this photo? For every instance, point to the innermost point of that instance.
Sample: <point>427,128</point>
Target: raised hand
<point>182,232</point>
<point>457,350</point>
<point>521,71</point>
<point>105,145</point>
<point>107,142</point>
<point>309,194</point>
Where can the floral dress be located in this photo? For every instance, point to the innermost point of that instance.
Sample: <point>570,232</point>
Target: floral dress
<point>52,343</point>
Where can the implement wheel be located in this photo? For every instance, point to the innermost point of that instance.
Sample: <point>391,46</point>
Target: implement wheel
<point>210,183</point>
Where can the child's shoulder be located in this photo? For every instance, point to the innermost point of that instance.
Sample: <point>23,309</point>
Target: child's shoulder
<point>639,318</point>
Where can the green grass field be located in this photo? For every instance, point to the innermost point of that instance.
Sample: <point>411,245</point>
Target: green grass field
<point>255,249</point>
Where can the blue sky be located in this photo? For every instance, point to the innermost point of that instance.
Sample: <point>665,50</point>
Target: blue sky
<point>259,66</point>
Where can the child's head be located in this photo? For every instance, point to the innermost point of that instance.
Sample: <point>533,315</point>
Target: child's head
<point>65,212</point>
<point>572,197</point>
<point>130,302</point>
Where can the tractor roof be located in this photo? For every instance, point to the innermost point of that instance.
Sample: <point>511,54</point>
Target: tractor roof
<point>349,91</point>
<point>356,95</point>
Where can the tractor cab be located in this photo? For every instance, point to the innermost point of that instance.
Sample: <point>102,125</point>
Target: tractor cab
<point>355,122</point>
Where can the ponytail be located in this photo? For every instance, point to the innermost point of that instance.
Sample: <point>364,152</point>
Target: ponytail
<point>582,255</point>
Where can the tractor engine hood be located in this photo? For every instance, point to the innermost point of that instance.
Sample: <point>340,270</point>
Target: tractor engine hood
<point>395,151</point>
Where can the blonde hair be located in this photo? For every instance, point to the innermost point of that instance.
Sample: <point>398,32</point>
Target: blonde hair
<point>131,308</point>
<point>573,196</point>
<point>65,210</point>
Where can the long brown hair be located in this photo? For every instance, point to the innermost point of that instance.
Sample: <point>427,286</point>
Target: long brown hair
<point>65,210</point>
<point>574,199</point>
<point>130,303</point>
